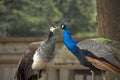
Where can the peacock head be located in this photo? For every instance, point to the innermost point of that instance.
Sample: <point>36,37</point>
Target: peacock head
<point>53,28</point>
<point>64,26</point>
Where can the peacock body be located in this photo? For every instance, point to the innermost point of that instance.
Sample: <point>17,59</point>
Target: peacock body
<point>97,54</point>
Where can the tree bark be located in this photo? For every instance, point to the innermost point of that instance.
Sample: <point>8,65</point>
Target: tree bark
<point>108,17</point>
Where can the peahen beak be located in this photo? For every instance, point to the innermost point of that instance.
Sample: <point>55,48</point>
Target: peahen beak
<point>53,28</point>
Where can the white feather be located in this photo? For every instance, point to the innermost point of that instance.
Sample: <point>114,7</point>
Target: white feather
<point>38,62</point>
<point>62,26</point>
<point>53,29</point>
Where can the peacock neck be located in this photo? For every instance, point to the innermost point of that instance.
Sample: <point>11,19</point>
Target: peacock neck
<point>68,41</point>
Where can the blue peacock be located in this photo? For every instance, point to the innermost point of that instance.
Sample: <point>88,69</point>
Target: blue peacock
<point>98,54</point>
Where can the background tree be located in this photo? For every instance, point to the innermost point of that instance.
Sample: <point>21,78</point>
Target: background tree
<point>32,17</point>
<point>108,17</point>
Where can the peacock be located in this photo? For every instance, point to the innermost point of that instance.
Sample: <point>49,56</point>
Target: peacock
<point>37,55</point>
<point>98,54</point>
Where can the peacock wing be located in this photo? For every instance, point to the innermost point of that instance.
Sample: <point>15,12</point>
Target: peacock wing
<point>99,49</point>
<point>115,46</point>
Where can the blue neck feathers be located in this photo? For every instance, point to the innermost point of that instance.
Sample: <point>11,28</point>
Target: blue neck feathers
<point>69,42</point>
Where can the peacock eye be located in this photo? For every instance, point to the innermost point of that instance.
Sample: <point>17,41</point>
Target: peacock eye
<point>62,26</point>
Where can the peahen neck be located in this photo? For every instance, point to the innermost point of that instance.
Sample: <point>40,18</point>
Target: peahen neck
<point>50,38</point>
<point>68,41</point>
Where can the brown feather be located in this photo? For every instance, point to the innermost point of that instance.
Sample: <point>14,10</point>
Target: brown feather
<point>24,70</point>
<point>102,65</point>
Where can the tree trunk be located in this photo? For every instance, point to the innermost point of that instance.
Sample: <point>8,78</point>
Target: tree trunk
<point>108,17</point>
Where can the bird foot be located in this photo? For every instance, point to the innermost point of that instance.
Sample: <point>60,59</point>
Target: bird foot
<point>93,75</point>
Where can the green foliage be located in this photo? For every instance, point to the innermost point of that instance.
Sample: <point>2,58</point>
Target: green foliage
<point>33,17</point>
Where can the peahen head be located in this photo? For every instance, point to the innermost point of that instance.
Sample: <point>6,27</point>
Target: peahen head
<point>64,26</point>
<point>53,28</point>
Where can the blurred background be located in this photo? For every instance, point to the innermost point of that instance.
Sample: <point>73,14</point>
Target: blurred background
<point>32,18</point>
<point>26,21</point>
